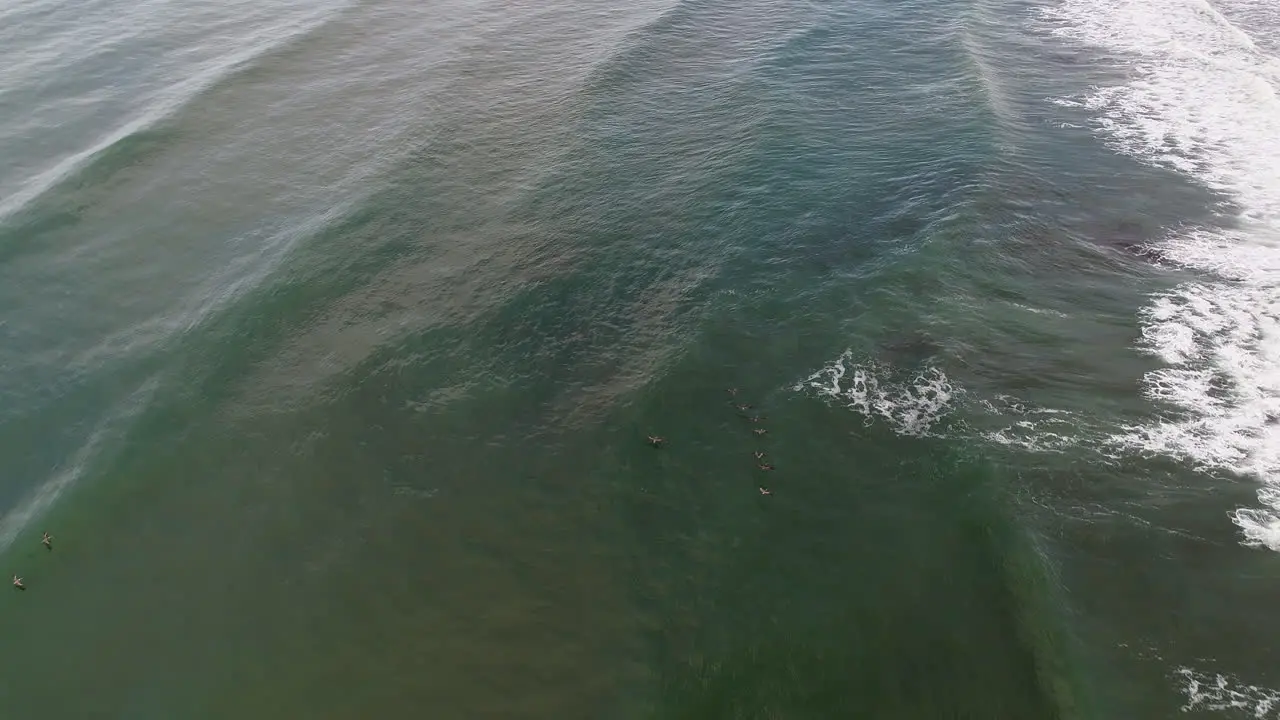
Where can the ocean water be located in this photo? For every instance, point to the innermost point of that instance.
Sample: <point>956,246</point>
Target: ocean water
<point>331,334</point>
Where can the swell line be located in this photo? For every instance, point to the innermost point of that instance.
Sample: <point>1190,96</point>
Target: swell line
<point>165,105</point>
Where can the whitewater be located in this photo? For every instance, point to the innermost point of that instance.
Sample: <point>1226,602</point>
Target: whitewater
<point>1202,100</point>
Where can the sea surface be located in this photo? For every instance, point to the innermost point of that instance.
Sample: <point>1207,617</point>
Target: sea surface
<point>332,333</point>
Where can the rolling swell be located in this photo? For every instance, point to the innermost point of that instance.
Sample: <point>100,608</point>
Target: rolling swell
<point>47,223</point>
<point>84,345</point>
<point>724,41</point>
<point>925,409</point>
<point>507,260</point>
<point>532,230</point>
<point>359,309</point>
<point>780,610</point>
<point>74,172</point>
<point>425,267</point>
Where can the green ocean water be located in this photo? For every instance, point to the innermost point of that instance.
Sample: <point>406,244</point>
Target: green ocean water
<point>329,363</point>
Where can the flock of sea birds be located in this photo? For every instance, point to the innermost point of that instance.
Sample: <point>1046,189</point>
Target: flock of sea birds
<point>47,541</point>
<point>658,441</point>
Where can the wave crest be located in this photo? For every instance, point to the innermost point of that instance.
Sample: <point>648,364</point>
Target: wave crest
<point>1203,99</point>
<point>914,406</point>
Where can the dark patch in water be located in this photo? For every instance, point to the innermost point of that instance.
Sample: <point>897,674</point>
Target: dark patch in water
<point>1132,236</point>
<point>910,348</point>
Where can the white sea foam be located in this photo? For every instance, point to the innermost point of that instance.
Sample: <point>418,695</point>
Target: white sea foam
<point>1031,428</point>
<point>917,403</point>
<point>1218,692</point>
<point>1203,99</point>
<point>911,407</point>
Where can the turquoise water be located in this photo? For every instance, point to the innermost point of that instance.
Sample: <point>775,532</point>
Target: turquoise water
<point>331,335</point>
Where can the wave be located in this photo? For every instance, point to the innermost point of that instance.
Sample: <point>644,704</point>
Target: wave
<point>162,105</point>
<point>925,402</point>
<point>36,503</point>
<point>1203,99</point>
<point>708,48</point>
<point>1207,691</point>
<point>984,52</point>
